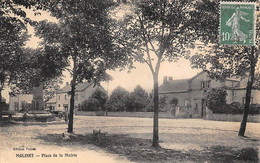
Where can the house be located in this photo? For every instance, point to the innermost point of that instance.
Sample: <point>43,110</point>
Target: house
<point>51,104</point>
<point>20,101</point>
<point>32,100</point>
<point>191,93</point>
<point>82,93</point>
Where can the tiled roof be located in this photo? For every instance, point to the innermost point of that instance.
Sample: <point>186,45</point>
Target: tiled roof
<point>175,86</point>
<point>52,100</point>
<point>197,75</point>
<point>79,87</point>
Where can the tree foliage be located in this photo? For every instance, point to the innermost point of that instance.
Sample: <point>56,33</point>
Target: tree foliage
<point>118,99</point>
<point>138,100</point>
<point>82,40</point>
<point>217,103</point>
<point>174,101</point>
<point>216,99</point>
<point>96,101</point>
<point>22,68</point>
<point>13,35</point>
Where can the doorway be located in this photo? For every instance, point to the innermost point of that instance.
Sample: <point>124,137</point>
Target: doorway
<point>203,108</point>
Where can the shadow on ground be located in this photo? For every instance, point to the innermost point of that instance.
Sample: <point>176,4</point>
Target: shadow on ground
<point>140,150</point>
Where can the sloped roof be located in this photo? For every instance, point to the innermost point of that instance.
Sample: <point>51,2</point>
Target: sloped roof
<point>175,86</point>
<point>79,87</point>
<point>52,100</point>
<point>194,77</point>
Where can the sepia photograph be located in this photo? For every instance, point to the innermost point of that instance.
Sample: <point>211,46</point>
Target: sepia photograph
<point>129,81</point>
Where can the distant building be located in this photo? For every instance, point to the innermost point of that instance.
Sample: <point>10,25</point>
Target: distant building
<point>20,101</point>
<point>51,104</point>
<point>82,93</point>
<point>191,93</point>
<point>33,100</point>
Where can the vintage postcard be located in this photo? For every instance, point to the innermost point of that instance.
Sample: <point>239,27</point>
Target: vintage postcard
<point>120,81</point>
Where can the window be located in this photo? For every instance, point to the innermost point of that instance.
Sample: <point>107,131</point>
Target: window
<point>208,84</point>
<point>187,104</point>
<point>65,97</point>
<point>59,105</point>
<point>196,101</point>
<point>202,84</point>
<point>59,97</point>
<point>205,84</point>
<point>16,106</point>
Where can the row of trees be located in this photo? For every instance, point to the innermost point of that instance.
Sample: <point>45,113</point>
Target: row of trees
<point>122,100</point>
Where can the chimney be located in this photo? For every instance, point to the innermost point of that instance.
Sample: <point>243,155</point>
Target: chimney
<point>164,79</point>
<point>170,78</point>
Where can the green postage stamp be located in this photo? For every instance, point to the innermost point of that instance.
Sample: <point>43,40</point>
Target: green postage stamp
<point>237,23</point>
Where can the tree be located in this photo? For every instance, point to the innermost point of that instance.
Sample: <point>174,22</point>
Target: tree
<point>118,99</point>
<point>13,35</point>
<point>20,68</point>
<point>138,99</point>
<point>216,99</point>
<point>37,71</point>
<point>96,102</point>
<point>91,104</point>
<point>222,61</point>
<point>82,39</point>
<point>50,88</point>
<point>174,101</point>
<point>163,103</point>
<point>155,31</point>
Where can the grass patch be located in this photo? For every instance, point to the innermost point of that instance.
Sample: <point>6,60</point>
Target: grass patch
<point>140,150</point>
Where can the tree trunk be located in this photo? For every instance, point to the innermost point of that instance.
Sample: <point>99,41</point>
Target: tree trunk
<point>156,109</point>
<point>248,93</point>
<point>72,95</point>
<point>1,109</point>
<point>0,96</point>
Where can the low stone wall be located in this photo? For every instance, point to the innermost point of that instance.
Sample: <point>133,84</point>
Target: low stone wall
<point>233,117</point>
<point>86,113</point>
<point>126,114</point>
<point>210,116</point>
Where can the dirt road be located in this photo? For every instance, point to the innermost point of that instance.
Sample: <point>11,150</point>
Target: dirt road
<point>177,134</point>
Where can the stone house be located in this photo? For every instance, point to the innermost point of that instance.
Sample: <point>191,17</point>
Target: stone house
<point>32,100</point>
<point>191,93</point>
<point>50,104</point>
<point>20,101</point>
<point>82,93</point>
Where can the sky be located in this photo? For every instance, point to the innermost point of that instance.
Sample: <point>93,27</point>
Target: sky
<point>141,75</point>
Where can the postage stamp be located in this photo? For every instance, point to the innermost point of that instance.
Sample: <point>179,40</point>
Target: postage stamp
<point>237,23</point>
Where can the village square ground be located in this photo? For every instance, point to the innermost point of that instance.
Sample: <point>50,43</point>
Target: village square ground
<point>129,140</point>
